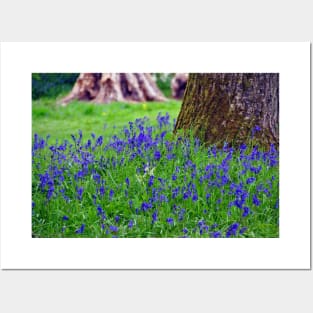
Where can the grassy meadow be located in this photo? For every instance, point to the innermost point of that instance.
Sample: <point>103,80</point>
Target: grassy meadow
<point>116,170</point>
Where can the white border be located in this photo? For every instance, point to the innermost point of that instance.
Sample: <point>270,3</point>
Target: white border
<point>290,251</point>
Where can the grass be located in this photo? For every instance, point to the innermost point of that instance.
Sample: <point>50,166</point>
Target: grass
<point>60,122</point>
<point>138,180</point>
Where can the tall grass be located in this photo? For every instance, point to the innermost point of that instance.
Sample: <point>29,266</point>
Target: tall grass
<point>141,181</point>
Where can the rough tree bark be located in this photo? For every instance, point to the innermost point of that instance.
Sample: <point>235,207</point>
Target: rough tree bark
<point>228,107</point>
<point>108,87</point>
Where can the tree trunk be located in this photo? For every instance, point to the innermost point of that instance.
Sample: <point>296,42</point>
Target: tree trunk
<point>108,87</point>
<point>178,85</point>
<point>231,108</point>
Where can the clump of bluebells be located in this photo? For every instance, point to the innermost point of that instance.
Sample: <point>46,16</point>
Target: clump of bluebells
<point>146,182</point>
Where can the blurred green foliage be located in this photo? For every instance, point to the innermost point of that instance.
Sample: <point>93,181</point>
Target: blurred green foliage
<point>163,81</point>
<point>51,84</point>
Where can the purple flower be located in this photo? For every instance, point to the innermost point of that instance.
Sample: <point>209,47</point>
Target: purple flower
<point>96,177</point>
<point>174,177</point>
<point>276,205</point>
<point>214,226</point>
<point>175,192</point>
<point>80,191</point>
<point>195,197</point>
<point>117,218</point>
<point>250,180</point>
<point>170,156</point>
<point>163,198</point>
<point>111,194</point>
<point>65,218</point>
<point>185,230</point>
<point>154,217</point>
<point>101,191</point>
<point>130,224</point>
<point>243,147</point>
<point>151,180</point>
<point>80,230</point>
<point>113,229</point>
<point>170,221</point>
<point>232,230</point>
<point>256,200</point>
<point>246,211</point>
<point>145,206</point>
<point>216,234</point>
<point>99,141</point>
<point>100,211</point>
<point>127,181</point>
<point>242,230</point>
<point>157,155</point>
<point>50,192</point>
<point>181,215</point>
<point>256,170</point>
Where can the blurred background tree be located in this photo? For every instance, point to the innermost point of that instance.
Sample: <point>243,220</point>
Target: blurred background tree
<point>51,85</point>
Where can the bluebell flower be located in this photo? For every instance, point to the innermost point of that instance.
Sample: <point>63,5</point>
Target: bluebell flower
<point>254,130</point>
<point>113,229</point>
<point>151,180</point>
<point>117,218</point>
<point>131,224</point>
<point>185,230</point>
<point>154,217</point>
<point>232,230</point>
<point>214,226</point>
<point>186,195</point>
<point>256,170</point>
<point>145,206</point>
<point>181,215</point>
<point>246,211</point>
<point>276,204</point>
<point>175,192</point>
<point>157,155</point>
<point>99,141</point>
<point>170,156</point>
<point>256,200</point>
<point>242,230</point>
<point>101,191</point>
<point>195,197</point>
<point>250,180</point>
<point>163,198</point>
<point>243,147</point>
<point>80,230</point>
<point>96,177</point>
<point>111,194</point>
<point>79,192</point>
<point>170,221</point>
<point>216,234</point>
<point>127,181</point>
<point>65,218</point>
